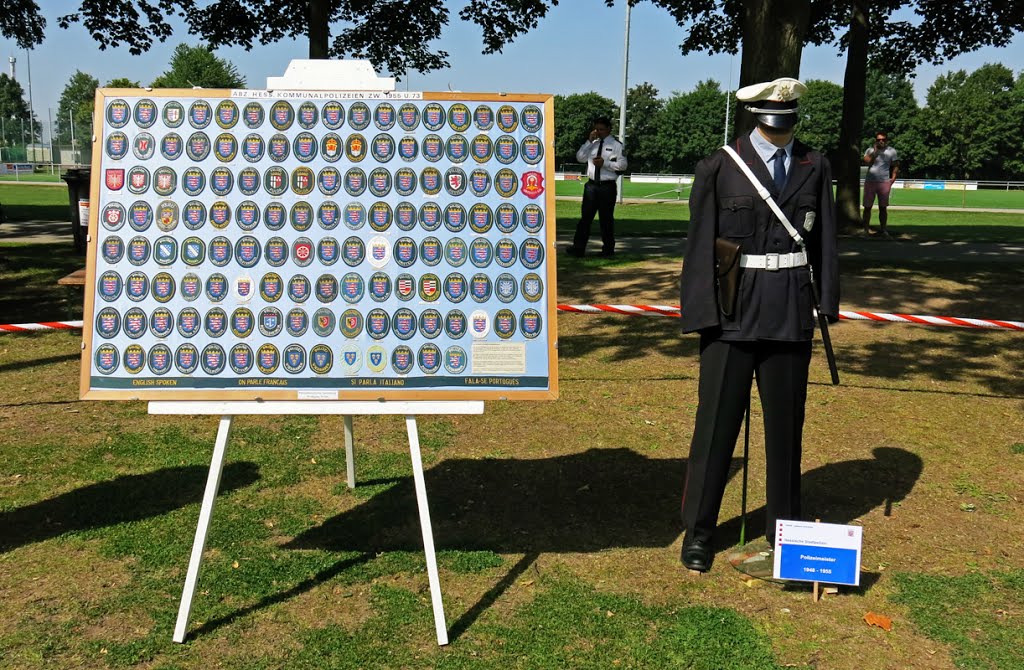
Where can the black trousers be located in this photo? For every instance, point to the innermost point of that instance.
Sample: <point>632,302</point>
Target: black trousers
<point>598,198</point>
<point>726,369</point>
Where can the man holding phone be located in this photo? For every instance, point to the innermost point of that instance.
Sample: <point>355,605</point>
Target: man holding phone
<point>884,167</point>
<point>605,160</point>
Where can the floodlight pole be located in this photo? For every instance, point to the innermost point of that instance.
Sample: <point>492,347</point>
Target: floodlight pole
<point>31,110</point>
<point>625,92</point>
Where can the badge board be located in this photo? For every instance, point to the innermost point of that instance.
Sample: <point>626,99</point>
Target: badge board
<point>250,244</point>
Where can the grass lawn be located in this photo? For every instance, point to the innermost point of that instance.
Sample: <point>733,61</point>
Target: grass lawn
<point>556,522</point>
<point>23,202</point>
<point>33,177</point>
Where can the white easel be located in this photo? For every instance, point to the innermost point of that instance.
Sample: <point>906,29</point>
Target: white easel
<point>229,409</point>
<point>333,76</point>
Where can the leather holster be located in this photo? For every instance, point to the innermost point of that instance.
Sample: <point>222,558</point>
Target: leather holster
<point>727,274</point>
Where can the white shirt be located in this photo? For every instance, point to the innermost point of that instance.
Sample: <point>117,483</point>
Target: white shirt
<point>611,152</point>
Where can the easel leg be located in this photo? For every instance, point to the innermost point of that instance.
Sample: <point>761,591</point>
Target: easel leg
<point>350,457</point>
<point>428,532</point>
<point>203,527</point>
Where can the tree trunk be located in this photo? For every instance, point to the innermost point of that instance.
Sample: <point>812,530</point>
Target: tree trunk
<point>319,28</point>
<point>847,170</point>
<point>773,39</point>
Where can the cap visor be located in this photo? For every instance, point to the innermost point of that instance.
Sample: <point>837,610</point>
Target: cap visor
<point>781,121</point>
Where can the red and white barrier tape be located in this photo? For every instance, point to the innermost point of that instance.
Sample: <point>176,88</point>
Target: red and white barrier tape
<point>663,310</point>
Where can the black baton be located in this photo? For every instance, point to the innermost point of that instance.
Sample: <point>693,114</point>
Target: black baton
<point>825,338</point>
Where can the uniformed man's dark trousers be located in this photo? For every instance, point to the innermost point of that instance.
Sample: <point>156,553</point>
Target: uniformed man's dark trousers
<point>726,369</point>
<point>598,198</point>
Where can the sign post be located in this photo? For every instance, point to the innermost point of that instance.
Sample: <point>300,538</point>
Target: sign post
<point>817,552</point>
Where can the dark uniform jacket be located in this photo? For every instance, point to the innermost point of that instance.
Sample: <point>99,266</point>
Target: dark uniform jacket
<point>771,305</point>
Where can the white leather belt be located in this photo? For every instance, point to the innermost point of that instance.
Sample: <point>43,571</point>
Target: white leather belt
<point>774,261</point>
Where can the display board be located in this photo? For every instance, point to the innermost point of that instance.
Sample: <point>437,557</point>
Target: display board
<point>320,245</point>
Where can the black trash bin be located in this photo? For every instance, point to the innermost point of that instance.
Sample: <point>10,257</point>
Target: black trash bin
<point>78,196</point>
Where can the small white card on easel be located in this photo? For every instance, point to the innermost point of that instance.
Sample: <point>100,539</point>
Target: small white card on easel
<point>817,552</point>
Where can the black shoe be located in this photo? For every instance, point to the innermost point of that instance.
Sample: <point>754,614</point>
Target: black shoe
<point>607,254</point>
<point>696,554</point>
<point>573,251</point>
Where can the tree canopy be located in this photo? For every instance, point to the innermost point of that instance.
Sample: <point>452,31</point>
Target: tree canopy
<point>75,107</point>
<point>574,115</point>
<point>198,66</point>
<point>13,110</point>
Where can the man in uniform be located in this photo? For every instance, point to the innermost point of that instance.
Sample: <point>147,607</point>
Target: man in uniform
<point>605,160</point>
<point>767,336</point>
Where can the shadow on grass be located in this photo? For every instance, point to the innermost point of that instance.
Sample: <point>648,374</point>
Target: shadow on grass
<point>120,500</point>
<point>28,283</point>
<point>36,362</point>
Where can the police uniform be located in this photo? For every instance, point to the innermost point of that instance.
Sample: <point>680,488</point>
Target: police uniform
<point>599,193</point>
<point>768,336</point>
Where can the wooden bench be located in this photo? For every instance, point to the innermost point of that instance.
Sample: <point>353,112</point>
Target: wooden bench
<point>76,278</point>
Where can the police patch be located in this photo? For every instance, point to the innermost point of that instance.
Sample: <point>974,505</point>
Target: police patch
<point>253,115</point>
<point>382,148</point>
<point>114,179</point>
<point>327,288</point>
<point>276,252</point>
<point>480,287</point>
<point>455,324</point>
<point>136,286</point>
<point>241,359</point>
<point>533,184</point>
<point>430,181</point>
<point>219,251</point>
<point>113,249</point>
<point>307,116</point>
<point>247,251</point>
<point>355,215</point>
<point>351,323</point>
<point>480,252</point>
<point>173,114</point>
<point>323,321</point>
<point>358,116</point>
<point>165,181</point>
<point>281,115</point>
<point>376,358</point>
<point>455,287</point>
<point>531,149</point>
<point>305,146</point>
<point>430,251</point>
<point>141,216</point>
<point>329,180</point>
<point>145,113</point>
<point>408,116</point>
<point>505,149</point>
<point>278,148</point>
<point>198,147</point>
<point>301,216</point>
<point>303,180</point>
<point>454,217</point>
<point>275,216</point>
<point>530,323</point>
<point>117,145</point>
<point>138,250</point>
<point>297,322</point>
<point>215,323</point>
<point>217,284</point>
<point>249,181</point>
<point>134,358</point>
<point>481,148</point>
<point>200,114</point>
<point>430,216</point>
<point>118,113</point>
<point>189,322</point>
<point>195,215</point>
<point>108,322</point>
<point>352,287</point>
<point>457,148</point>
<point>213,359</point>
<point>431,323</point>
<point>531,253</point>
<point>505,287</point>
<point>298,288</point>
<point>504,324</point>
<point>350,358</point>
<point>247,215</point>
<point>328,214</point>
<point>455,360</point>
<point>433,116</point>
<point>433,148</point>
<point>186,358</point>
<point>221,181</point>
<point>271,285</point>
<point>533,219</point>
<point>531,118</point>
<point>191,286</point>
<point>479,323</point>
<point>138,180</point>
<point>455,251</point>
<point>480,182</point>
<point>327,250</point>
<point>225,147</point>
<point>405,214</point>
<point>113,216</point>
<point>429,358</point>
<point>480,218</point>
<point>402,359</point>
<point>302,251</point>
<point>333,114</point>
<point>455,181</point>
<point>227,114</point>
<point>483,117</point>
<point>505,252</point>
<point>172,146</point>
<point>135,323</point>
<point>267,358</point>
<point>163,287</point>
<point>405,287</point>
<point>242,322</point>
<point>193,181</point>
<point>380,216</point>
<point>379,182</point>
<point>405,251</point>
<point>506,183</point>
<point>355,182</point>
<point>378,324</point>
<point>408,149</point>
<point>379,286</point>
<point>275,180</point>
<point>508,120</point>
<point>506,218</point>
<point>384,116</point>
<point>331,148</point>
<point>429,287</point>
<point>532,287</point>
<point>293,360</point>
<point>459,118</point>
<point>404,323</point>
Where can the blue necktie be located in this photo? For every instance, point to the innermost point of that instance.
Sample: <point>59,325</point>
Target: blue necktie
<point>780,169</point>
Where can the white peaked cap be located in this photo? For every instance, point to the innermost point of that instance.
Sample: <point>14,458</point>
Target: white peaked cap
<point>783,89</point>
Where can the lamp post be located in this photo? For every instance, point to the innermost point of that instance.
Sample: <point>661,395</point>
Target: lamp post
<point>625,92</point>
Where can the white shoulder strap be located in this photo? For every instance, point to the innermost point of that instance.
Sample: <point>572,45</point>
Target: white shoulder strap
<point>765,195</point>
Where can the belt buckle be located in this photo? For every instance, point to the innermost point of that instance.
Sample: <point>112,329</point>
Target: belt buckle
<point>771,262</point>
